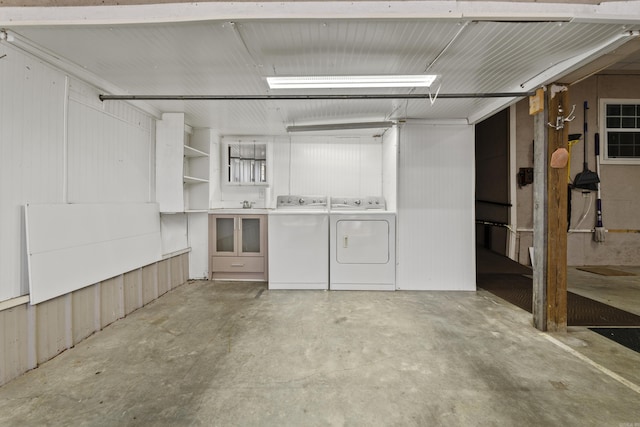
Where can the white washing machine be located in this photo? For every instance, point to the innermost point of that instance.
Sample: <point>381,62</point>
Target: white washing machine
<point>299,243</point>
<point>362,245</point>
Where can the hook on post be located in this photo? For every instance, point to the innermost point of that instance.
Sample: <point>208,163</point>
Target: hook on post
<point>561,119</point>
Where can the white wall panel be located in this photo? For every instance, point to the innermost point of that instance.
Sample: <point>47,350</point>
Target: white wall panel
<point>31,155</point>
<point>173,229</point>
<point>71,246</point>
<point>321,165</point>
<point>435,208</point>
<point>390,167</point>
<point>109,149</point>
<point>335,166</point>
<point>198,234</point>
<point>280,183</point>
<point>105,158</point>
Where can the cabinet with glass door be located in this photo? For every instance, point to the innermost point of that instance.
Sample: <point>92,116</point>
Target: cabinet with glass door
<point>237,247</point>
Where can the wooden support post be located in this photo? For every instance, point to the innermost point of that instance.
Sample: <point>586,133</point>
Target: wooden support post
<point>557,187</point>
<point>540,165</point>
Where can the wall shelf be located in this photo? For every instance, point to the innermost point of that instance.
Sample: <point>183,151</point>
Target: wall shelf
<point>194,180</point>
<point>193,152</point>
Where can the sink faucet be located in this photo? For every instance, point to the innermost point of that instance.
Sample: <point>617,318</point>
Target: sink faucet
<point>246,204</point>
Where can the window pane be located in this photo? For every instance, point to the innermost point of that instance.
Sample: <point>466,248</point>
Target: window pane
<point>626,139</point>
<point>626,142</point>
<point>613,122</point>
<point>623,144</point>
<point>613,110</point>
<point>626,151</point>
<point>628,122</point>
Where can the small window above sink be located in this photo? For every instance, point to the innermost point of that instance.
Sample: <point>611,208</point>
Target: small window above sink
<point>245,163</point>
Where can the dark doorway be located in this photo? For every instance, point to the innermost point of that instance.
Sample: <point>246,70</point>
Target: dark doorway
<point>492,182</point>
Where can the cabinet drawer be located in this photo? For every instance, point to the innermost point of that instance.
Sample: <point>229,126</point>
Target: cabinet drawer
<point>239,264</point>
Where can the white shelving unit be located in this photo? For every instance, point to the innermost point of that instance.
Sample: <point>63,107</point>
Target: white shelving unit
<point>182,184</point>
<point>196,170</point>
<point>182,165</point>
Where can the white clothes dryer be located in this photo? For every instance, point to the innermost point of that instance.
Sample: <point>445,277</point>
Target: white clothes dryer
<point>362,245</point>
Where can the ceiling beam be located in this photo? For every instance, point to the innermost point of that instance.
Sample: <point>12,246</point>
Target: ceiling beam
<point>227,10</point>
<point>13,13</point>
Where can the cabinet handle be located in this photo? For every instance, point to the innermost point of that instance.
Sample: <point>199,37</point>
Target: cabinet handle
<point>237,265</point>
<point>345,242</point>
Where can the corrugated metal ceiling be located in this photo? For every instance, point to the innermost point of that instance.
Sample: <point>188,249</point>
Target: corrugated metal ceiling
<point>233,58</point>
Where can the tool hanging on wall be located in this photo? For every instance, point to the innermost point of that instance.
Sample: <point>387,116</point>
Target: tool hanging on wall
<point>598,234</point>
<point>574,138</point>
<point>586,180</point>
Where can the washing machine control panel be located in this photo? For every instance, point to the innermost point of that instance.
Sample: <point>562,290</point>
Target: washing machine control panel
<point>305,202</point>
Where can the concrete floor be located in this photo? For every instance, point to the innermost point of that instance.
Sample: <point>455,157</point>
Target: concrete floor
<point>619,291</point>
<point>237,354</point>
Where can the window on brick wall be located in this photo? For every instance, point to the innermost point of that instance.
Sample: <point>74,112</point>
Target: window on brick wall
<point>620,130</point>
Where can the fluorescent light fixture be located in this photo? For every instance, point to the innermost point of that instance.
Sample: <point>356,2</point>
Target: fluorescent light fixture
<point>336,82</point>
<point>339,126</point>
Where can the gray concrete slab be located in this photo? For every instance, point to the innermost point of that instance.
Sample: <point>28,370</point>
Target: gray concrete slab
<point>622,292</point>
<point>237,354</point>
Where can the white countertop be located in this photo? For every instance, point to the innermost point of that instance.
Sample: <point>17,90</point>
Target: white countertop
<point>265,211</point>
<point>240,211</point>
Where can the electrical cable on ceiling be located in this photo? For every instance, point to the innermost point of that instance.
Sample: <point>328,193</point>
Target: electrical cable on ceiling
<point>447,46</point>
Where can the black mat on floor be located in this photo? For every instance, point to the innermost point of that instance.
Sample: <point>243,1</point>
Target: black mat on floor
<point>628,337</point>
<point>518,290</point>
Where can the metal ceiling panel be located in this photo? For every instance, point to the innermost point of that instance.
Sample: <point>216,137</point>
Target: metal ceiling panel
<point>234,58</point>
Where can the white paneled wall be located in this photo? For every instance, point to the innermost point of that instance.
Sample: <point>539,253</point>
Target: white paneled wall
<point>436,240</point>
<point>31,155</point>
<point>198,236</point>
<point>335,166</point>
<point>173,229</point>
<point>390,167</point>
<point>109,149</point>
<point>318,165</point>
<point>60,144</point>
<point>281,178</point>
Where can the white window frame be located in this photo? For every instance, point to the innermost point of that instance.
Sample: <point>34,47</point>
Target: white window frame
<point>604,146</point>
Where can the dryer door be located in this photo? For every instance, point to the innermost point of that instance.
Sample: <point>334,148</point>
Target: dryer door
<point>362,241</point>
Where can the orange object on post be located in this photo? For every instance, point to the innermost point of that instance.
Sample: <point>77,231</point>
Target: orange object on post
<point>559,158</point>
<point>536,102</point>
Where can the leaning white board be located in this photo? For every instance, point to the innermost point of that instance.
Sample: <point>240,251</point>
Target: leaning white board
<point>71,246</point>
